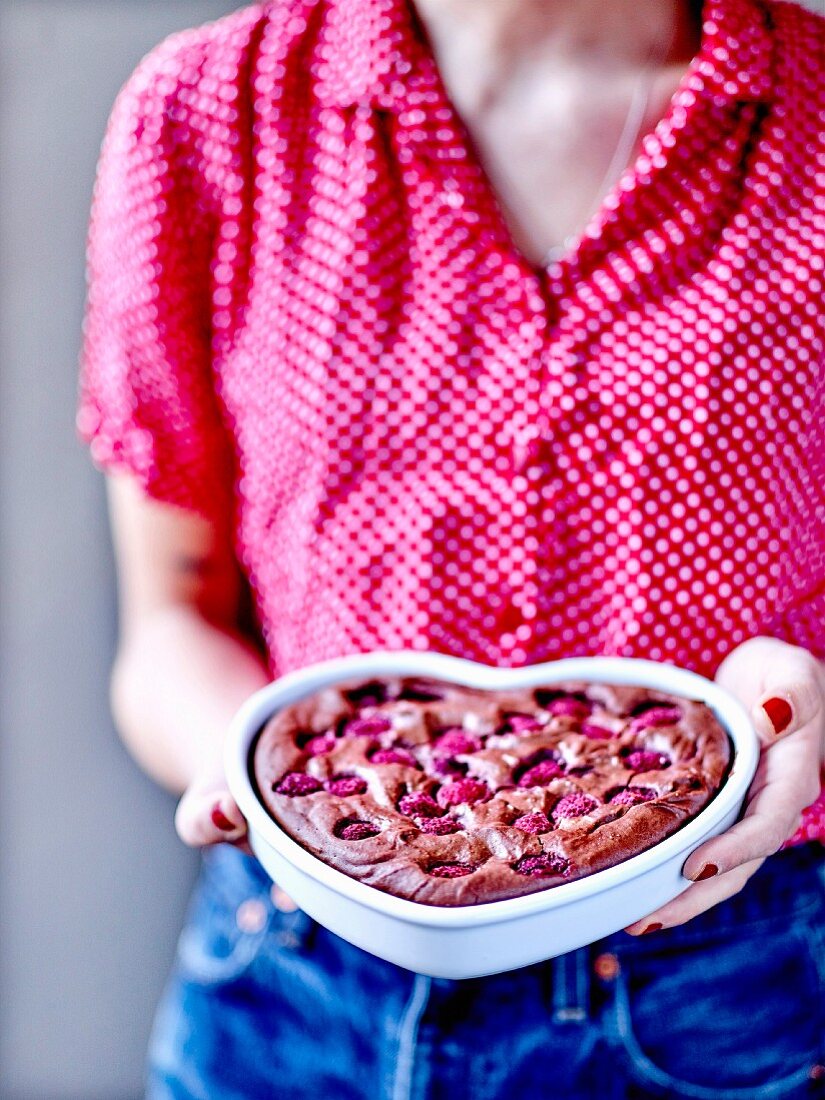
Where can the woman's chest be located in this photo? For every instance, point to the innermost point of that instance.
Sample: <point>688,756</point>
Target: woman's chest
<point>490,475</point>
<point>407,392</point>
<point>647,426</point>
<point>423,344</point>
<point>424,424</point>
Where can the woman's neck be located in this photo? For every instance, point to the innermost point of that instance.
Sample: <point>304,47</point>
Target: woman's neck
<point>496,42</point>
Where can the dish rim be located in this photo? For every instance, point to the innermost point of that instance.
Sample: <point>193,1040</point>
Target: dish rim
<point>260,707</point>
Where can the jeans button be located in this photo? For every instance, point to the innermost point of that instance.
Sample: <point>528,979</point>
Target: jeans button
<point>606,966</point>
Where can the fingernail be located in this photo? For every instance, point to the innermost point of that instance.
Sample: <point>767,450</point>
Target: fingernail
<point>651,928</point>
<point>221,821</point>
<point>708,871</point>
<point>780,713</point>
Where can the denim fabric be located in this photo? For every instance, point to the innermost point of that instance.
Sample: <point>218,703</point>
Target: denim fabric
<point>730,1005</point>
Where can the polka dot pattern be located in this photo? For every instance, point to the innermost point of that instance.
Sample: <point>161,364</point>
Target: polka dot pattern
<point>306,317</point>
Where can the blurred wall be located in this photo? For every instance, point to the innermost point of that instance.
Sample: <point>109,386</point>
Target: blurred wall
<point>92,880</point>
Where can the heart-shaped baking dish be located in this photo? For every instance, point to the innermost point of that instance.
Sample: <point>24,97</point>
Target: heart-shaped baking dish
<point>489,938</point>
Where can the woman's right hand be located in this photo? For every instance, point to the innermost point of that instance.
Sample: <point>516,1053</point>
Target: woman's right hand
<point>208,814</point>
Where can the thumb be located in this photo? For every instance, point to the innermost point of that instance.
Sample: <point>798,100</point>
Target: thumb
<point>780,684</point>
<point>208,814</point>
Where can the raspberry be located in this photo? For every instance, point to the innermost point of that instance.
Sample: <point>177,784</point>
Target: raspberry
<point>541,756</point>
<point>345,785</point>
<point>449,870</point>
<point>656,716</point>
<point>521,723</point>
<point>546,697</point>
<point>454,741</point>
<point>644,760</point>
<point>542,866</point>
<point>367,727</point>
<point>437,826</point>
<point>463,790</point>
<point>535,824</point>
<point>297,783</point>
<point>355,830</point>
<point>316,746</point>
<point>574,805</point>
<point>568,706</point>
<point>418,804</point>
<point>632,796</point>
<point>541,774</point>
<point>393,756</point>
<point>596,733</point>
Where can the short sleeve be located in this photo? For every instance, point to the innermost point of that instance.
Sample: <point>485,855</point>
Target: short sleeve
<point>147,397</point>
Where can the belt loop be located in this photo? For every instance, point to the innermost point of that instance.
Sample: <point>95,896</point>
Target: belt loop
<point>571,986</point>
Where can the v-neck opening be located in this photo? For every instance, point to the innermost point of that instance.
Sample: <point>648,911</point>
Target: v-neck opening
<point>495,224</point>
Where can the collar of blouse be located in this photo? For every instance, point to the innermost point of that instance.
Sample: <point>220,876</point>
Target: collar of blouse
<point>373,56</point>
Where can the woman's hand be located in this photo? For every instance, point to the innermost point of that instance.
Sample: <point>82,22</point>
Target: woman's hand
<point>783,687</point>
<point>208,814</point>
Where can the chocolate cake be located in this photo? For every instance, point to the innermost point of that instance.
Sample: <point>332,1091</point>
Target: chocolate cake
<point>449,795</point>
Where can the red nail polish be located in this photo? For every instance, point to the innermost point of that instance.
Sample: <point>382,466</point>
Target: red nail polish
<point>220,820</point>
<point>651,928</point>
<point>708,871</point>
<point>780,713</point>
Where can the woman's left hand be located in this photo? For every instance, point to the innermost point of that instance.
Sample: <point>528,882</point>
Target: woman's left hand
<point>783,687</point>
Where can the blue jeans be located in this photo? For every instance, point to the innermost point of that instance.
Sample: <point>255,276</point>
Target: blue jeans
<point>730,1005</point>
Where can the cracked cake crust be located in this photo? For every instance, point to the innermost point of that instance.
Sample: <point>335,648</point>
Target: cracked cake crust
<point>450,796</point>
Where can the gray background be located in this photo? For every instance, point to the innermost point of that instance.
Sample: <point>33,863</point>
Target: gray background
<point>92,880</point>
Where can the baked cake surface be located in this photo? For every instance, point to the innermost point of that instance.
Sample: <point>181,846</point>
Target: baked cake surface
<point>449,795</point>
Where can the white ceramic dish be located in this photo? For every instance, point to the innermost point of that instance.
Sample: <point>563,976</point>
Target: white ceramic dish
<point>472,941</point>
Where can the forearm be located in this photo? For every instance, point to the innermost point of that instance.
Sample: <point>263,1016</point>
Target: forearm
<point>175,686</point>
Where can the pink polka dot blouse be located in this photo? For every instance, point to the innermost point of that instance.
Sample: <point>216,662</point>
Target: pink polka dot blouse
<point>307,318</point>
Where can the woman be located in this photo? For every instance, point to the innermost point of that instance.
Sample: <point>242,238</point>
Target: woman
<point>491,327</point>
